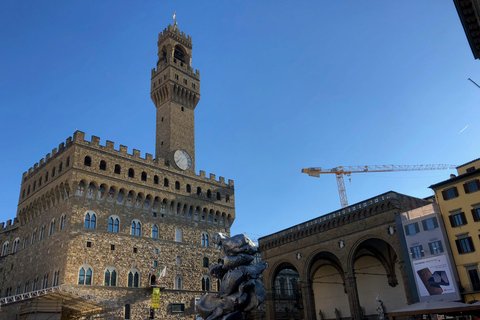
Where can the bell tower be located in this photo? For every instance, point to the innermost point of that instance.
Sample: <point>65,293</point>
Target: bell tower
<point>175,91</point>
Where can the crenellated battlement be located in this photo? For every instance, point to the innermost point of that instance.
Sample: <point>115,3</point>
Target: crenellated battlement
<point>179,65</point>
<point>79,139</point>
<point>6,226</point>
<point>175,33</point>
<point>48,157</point>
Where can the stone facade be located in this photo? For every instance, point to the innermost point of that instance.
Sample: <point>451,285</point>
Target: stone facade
<point>88,210</point>
<point>343,260</point>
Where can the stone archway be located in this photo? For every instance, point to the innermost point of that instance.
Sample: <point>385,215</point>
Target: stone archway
<point>327,277</point>
<point>374,266</point>
<point>286,292</point>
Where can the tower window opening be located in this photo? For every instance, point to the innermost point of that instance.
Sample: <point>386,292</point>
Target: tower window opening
<point>193,85</point>
<point>179,54</point>
<point>155,179</point>
<point>131,173</point>
<point>103,165</point>
<point>176,77</point>
<point>117,169</point>
<point>183,109</point>
<point>161,119</point>
<point>184,81</point>
<point>144,176</point>
<point>165,182</point>
<point>177,185</point>
<point>189,188</point>
<point>88,161</point>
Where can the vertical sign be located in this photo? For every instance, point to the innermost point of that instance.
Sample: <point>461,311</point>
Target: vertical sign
<point>156,298</point>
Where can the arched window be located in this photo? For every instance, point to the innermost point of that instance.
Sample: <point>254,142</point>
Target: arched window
<point>189,188</point>
<point>40,181</point>
<point>154,231</point>
<point>177,185</point>
<point>205,283</point>
<point>205,262</point>
<point>90,220</point>
<point>46,176</point>
<point>209,194</point>
<point>63,221</point>
<point>113,224</point>
<point>85,275</point>
<point>205,239</point>
<point>178,283</point>
<point>133,278</point>
<point>199,191</point>
<point>60,167</point>
<point>88,161</point>
<point>165,182</point>
<point>178,235</point>
<point>153,280</point>
<point>56,276</point>
<point>179,260</point>
<point>117,169</point>
<point>16,243</point>
<point>53,172</point>
<point>144,176</point>
<point>219,197</point>
<point>34,185</point>
<point>68,161</point>
<point>136,228</point>
<point>103,165</point>
<point>227,198</point>
<point>52,227</point>
<point>155,179</point>
<point>111,277</point>
<point>179,53</point>
<point>131,173</point>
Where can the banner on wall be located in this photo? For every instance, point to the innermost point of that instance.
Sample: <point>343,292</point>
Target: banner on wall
<point>433,276</point>
<point>156,298</point>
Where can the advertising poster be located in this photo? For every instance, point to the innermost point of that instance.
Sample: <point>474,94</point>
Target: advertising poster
<point>433,276</point>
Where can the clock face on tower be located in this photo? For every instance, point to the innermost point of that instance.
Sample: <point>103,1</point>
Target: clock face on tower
<point>182,159</point>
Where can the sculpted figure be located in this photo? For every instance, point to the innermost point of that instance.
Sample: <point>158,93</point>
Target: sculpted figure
<point>240,290</point>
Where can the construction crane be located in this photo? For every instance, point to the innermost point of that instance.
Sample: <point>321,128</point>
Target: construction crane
<point>347,171</point>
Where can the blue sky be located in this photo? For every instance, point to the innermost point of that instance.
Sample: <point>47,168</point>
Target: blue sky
<point>285,85</point>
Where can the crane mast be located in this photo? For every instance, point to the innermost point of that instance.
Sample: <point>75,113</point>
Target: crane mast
<point>348,170</point>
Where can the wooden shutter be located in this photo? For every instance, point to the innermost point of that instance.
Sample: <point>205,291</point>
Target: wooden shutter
<point>464,219</point>
<point>452,221</point>
<point>475,215</point>
<point>455,191</point>
<point>424,223</point>
<point>417,230</point>
<point>444,194</point>
<point>465,187</point>
<point>470,241</point>
<point>435,222</point>
<point>459,246</point>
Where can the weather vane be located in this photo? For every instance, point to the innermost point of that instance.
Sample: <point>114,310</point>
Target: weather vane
<point>175,18</point>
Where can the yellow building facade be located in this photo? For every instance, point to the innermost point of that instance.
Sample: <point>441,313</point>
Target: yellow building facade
<point>459,202</point>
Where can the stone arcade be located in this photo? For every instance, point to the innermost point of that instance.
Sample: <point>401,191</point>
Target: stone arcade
<point>94,223</point>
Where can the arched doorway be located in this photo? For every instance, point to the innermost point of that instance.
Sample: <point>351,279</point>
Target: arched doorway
<point>328,284</point>
<point>287,293</point>
<point>376,269</point>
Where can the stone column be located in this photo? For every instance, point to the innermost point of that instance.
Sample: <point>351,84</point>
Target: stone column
<point>352,291</point>
<point>406,283</point>
<point>308,300</point>
<point>270,304</point>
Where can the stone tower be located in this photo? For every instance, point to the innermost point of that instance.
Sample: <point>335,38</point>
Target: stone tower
<point>175,91</point>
